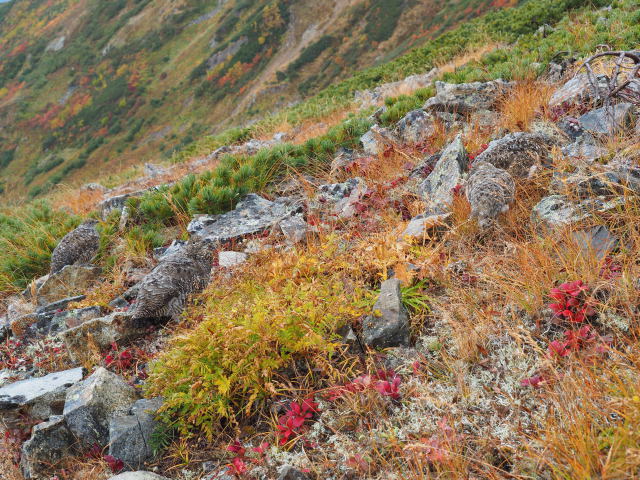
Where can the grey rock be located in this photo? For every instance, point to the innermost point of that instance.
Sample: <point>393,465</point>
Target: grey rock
<point>343,159</point>
<point>341,198</point>
<point>368,98</point>
<point>17,307</point>
<point>138,476</point>
<point>465,98</point>
<point>294,229</point>
<point>72,280</point>
<point>231,259</point>
<point>153,170</point>
<point>289,473</point>
<point>571,127</point>
<point>446,175</point>
<point>490,191</point>
<point>388,326</point>
<point>377,140</point>
<point>584,148</point>
<point>580,90</point>
<point>415,127</point>
<point>586,183</point>
<point>59,305</point>
<point>50,442</point>
<point>558,210</point>
<point>597,240</point>
<point>163,292</point>
<point>91,404</point>
<point>77,247</point>
<point>253,215</point>
<point>176,246</point>
<point>40,397</point>
<point>518,152</point>
<point>607,121</point>
<point>130,435</point>
<point>74,318</point>
<point>419,225</point>
<point>92,336</point>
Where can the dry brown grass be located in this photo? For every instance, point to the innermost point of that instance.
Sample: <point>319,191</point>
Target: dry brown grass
<point>523,104</point>
<point>467,57</point>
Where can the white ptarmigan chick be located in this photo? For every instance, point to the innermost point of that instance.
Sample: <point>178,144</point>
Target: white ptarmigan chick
<point>490,191</point>
<point>77,247</point>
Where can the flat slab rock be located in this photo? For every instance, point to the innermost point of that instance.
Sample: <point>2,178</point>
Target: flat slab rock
<point>138,476</point>
<point>253,215</point>
<point>40,394</point>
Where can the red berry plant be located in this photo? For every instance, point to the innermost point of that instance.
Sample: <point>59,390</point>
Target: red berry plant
<point>293,423</point>
<point>572,301</point>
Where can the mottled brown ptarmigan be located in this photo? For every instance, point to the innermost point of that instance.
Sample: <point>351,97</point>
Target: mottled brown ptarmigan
<point>164,291</point>
<point>490,191</point>
<point>77,247</point>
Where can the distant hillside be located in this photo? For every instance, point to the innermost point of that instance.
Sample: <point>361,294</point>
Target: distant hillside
<point>88,86</point>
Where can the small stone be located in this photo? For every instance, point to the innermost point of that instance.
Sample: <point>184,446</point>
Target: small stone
<point>421,224</point>
<point>557,210</point>
<point>91,403</point>
<point>130,435</point>
<point>231,259</point>
<point>289,473</point>
<point>388,326</point>
<point>50,442</point>
<point>294,229</point>
<point>42,397</point>
<point>69,281</point>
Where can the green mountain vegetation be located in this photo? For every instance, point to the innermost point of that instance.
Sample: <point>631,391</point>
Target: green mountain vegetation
<point>89,85</point>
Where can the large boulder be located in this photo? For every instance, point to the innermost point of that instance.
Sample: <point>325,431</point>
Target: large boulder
<point>439,186</point>
<point>69,281</point>
<point>608,120</point>
<point>388,325</point>
<point>50,442</point>
<point>518,152</point>
<point>130,434</point>
<point>91,404</point>
<point>40,397</point>
<point>253,215</point>
<point>465,98</point>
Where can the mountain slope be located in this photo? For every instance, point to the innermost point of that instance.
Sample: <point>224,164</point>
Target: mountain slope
<point>87,85</point>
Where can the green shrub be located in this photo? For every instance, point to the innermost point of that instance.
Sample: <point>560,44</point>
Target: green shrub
<point>252,328</point>
<point>28,235</point>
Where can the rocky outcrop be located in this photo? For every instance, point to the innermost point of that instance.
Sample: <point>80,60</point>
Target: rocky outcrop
<point>252,216</point>
<point>415,127</point>
<point>579,90</point>
<point>388,325</point>
<point>466,98</point>
<point>340,198</point>
<point>377,140</point>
